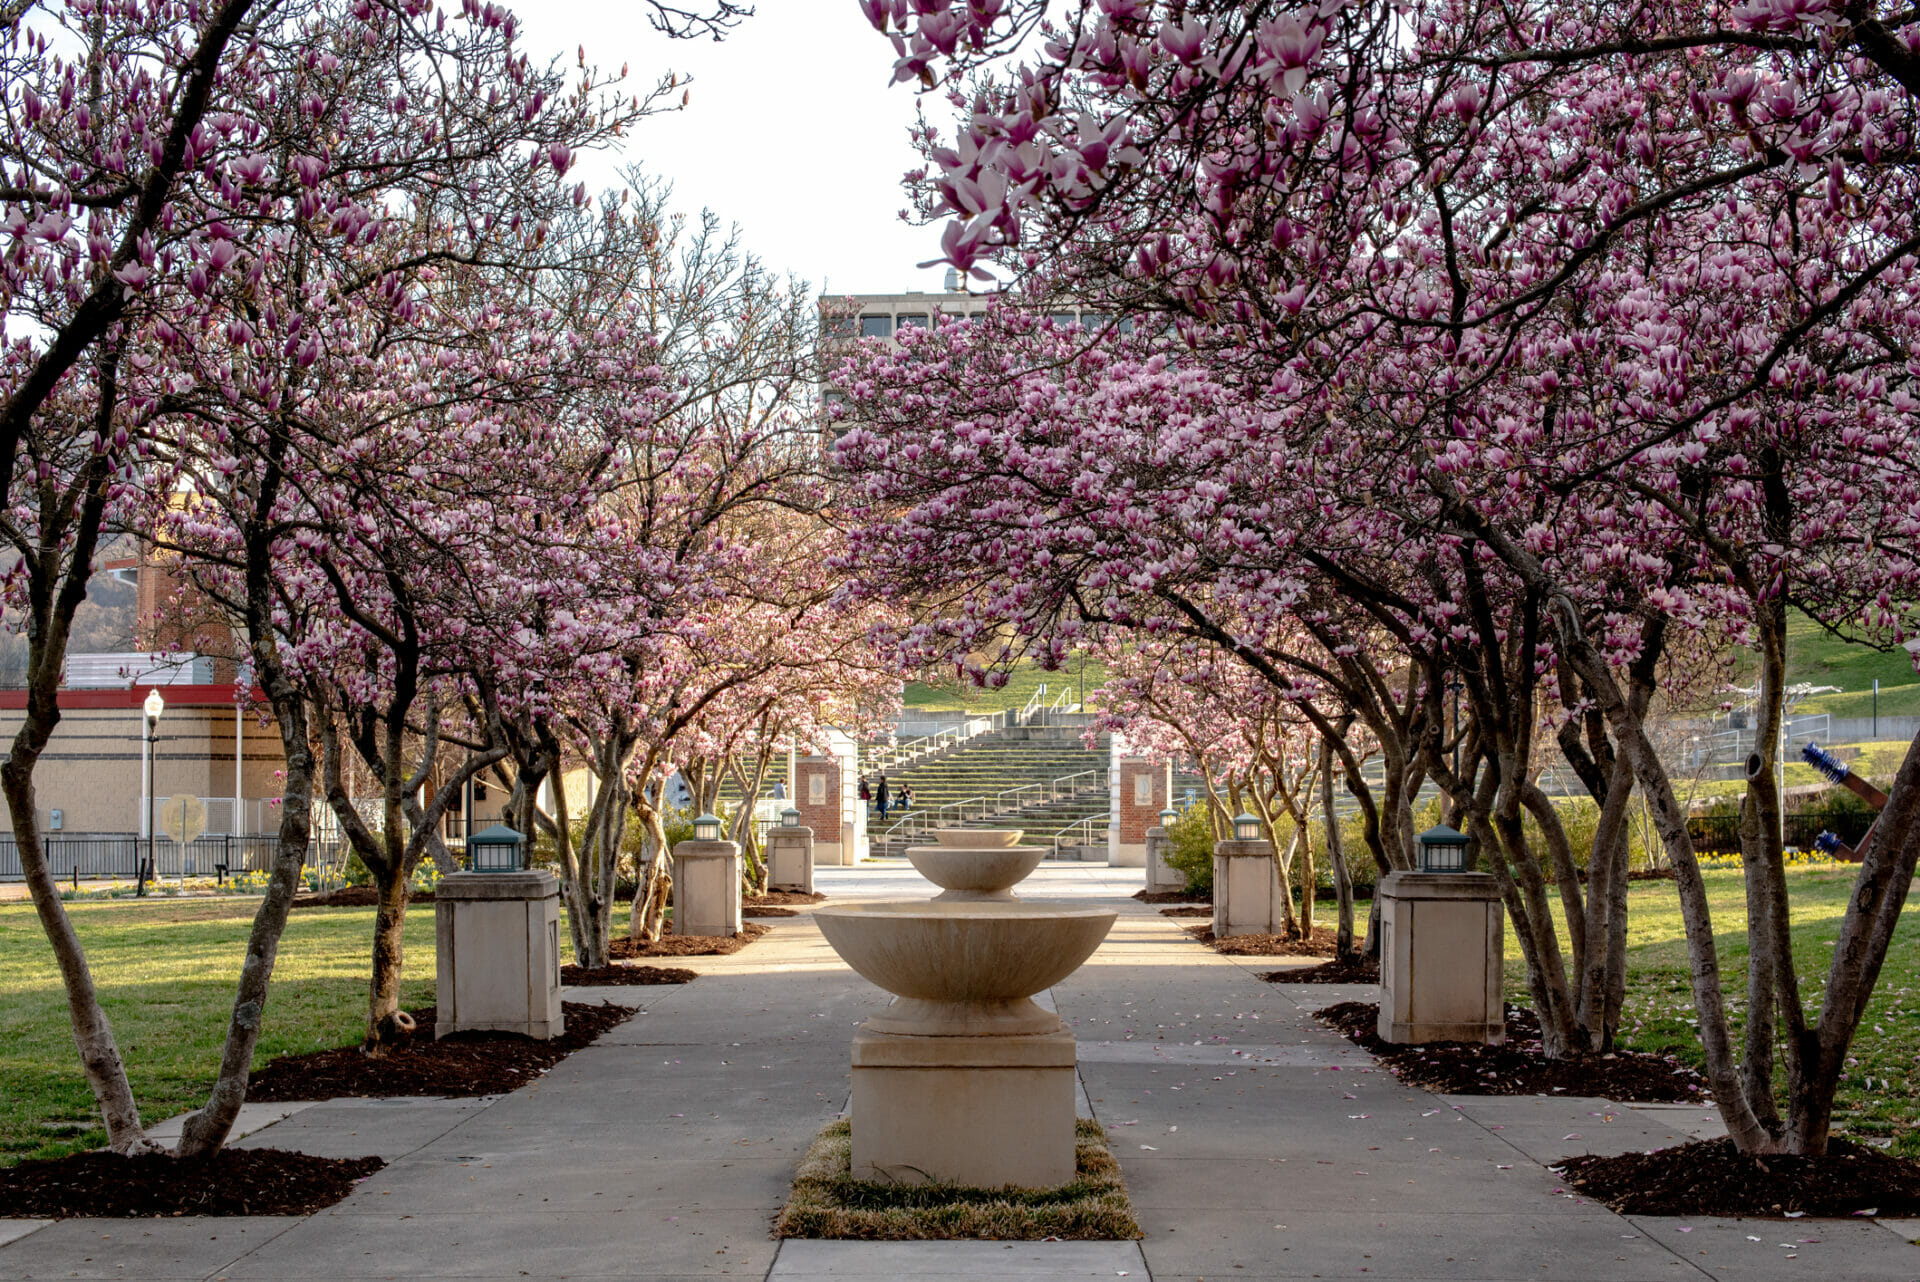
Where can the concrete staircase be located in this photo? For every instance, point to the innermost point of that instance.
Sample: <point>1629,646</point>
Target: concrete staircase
<point>1037,778</point>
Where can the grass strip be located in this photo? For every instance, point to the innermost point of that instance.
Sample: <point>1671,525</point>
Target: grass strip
<point>827,1202</point>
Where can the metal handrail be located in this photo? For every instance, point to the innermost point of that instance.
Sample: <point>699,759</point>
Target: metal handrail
<point>1000,806</point>
<point>1086,823</point>
<point>960,809</point>
<point>924,745</point>
<point>1095,779</point>
<point>1033,701</point>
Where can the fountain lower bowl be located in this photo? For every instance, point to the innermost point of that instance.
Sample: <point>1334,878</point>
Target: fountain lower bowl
<point>964,968</point>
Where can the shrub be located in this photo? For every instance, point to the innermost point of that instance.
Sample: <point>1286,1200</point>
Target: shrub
<point>1190,849</point>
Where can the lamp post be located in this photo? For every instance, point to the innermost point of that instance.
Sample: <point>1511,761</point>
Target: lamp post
<point>152,709</point>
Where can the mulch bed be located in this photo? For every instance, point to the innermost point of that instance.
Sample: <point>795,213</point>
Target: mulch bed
<point>617,975</point>
<point>1189,910</point>
<point>1709,1177</point>
<point>233,1181</point>
<point>1363,971</point>
<point>354,897</point>
<point>688,945</point>
<point>1320,945</point>
<point>470,1063</point>
<point>1518,1068</point>
<point>1171,897</point>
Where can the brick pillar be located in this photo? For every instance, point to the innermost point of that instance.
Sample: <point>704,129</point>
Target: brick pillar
<point>818,795</point>
<point>1145,789</point>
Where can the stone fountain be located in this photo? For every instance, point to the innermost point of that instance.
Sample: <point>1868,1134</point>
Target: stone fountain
<point>965,1079</point>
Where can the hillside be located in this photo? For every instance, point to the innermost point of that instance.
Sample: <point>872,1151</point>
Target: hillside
<point>954,695</point>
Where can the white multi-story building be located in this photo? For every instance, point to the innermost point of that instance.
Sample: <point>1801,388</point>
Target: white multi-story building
<point>845,317</point>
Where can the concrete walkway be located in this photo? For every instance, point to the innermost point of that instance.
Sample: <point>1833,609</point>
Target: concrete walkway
<point>1256,1144</point>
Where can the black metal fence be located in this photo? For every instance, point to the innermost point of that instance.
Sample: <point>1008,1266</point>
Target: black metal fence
<point>1720,834</point>
<point>97,857</point>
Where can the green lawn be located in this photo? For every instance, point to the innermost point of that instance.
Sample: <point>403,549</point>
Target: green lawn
<point>1878,1096</point>
<point>1026,678</point>
<point>1816,656</point>
<point>166,972</point>
<point>1895,701</point>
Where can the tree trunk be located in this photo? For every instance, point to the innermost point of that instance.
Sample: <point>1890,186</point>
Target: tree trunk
<point>656,881</point>
<point>1602,982</point>
<point>92,1033</point>
<point>387,1024</point>
<point>1749,1135</point>
<point>606,869</point>
<point>1343,949</point>
<point>206,1130</point>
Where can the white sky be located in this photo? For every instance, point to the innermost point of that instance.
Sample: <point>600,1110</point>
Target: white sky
<point>793,132</point>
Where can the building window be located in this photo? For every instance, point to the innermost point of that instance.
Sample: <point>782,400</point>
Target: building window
<point>918,320</point>
<point>876,327</point>
<point>1094,320</point>
<point>840,324</point>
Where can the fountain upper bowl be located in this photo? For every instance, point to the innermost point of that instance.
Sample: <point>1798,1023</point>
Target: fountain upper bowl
<point>977,838</point>
<point>981,873</point>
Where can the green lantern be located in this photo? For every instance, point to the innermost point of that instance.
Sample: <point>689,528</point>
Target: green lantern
<point>1443,850</point>
<point>495,849</point>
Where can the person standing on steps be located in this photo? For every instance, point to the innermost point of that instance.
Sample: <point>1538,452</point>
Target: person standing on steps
<point>866,793</point>
<point>880,795</point>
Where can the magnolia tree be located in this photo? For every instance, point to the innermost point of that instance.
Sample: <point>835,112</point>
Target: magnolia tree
<point>1610,308</point>
<point>198,201</point>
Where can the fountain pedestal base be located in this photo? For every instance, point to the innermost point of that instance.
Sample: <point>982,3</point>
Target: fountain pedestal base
<point>976,1111</point>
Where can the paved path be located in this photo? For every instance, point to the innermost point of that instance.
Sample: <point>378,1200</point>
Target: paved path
<point>1256,1144</point>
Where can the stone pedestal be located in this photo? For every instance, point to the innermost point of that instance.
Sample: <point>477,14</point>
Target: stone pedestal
<point>706,888</point>
<point>978,1111</point>
<point>497,937</point>
<point>1162,877</point>
<point>1442,951</point>
<point>1246,889</point>
<point>790,859</point>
